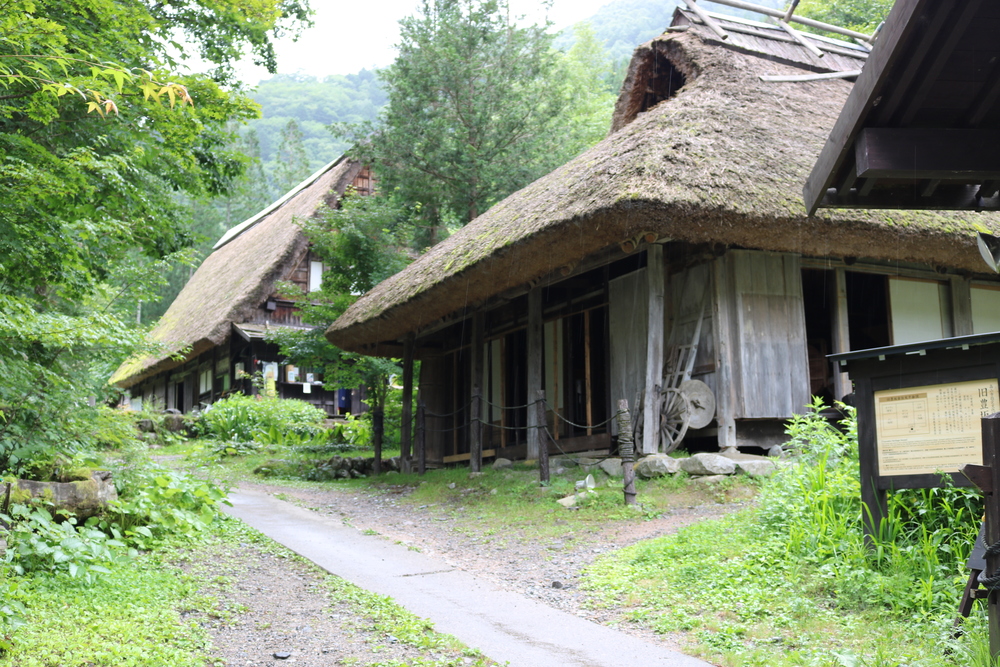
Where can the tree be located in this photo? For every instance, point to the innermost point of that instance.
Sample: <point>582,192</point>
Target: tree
<point>291,163</point>
<point>361,244</point>
<point>592,88</point>
<point>472,107</point>
<point>861,15</point>
<point>97,133</point>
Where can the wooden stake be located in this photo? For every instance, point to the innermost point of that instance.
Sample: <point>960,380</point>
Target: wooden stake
<point>626,449</point>
<point>378,427</point>
<point>543,438</point>
<point>586,367</point>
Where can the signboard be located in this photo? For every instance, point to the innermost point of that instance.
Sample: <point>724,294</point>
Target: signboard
<point>923,430</point>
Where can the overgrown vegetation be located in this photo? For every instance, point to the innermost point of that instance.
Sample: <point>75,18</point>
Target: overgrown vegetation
<point>792,582</point>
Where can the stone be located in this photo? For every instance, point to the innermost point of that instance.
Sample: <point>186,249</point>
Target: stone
<point>453,486</point>
<point>704,463</point>
<point>777,451</point>
<point>173,422</point>
<point>570,501</point>
<point>565,461</point>
<point>559,471</point>
<point>503,464</point>
<point>473,475</point>
<point>557,584</point>
<point>145,425</point>
<point>613,467</point>
<point>282,655</point>
<point>709,479</point>
<point>763,468</point>
<point>657,465</point>
<point>83,499</point>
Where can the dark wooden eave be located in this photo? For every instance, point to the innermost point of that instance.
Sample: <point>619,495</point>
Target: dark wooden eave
<point>921,128</point>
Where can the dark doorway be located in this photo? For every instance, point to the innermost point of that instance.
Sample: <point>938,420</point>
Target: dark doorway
<point>868,310</point>
<point>818,287</point>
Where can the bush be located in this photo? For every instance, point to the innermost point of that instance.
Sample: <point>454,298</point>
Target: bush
<point>244,418</point>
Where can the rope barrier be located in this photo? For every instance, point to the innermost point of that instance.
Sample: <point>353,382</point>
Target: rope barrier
<point>428,413</point>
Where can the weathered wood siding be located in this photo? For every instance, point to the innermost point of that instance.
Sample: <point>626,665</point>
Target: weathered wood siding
<point>628,309</point>
<point>685,290</point>
<point>762,336</point>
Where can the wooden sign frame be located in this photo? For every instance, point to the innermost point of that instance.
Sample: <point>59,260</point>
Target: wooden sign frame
<point>882,371</point>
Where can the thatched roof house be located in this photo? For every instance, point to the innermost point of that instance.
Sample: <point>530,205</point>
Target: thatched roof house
<point>230,300</point>
<point>703,169</point>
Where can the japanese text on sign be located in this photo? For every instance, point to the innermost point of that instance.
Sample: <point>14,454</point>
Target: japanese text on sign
<point>923,430</point>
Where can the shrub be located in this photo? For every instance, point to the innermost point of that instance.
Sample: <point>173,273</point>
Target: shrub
<point>245,418</point>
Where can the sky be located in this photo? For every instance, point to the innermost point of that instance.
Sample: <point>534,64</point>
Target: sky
<point>351,35</point>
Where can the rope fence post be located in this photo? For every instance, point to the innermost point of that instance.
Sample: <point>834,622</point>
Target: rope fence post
<point>421,437</point>
<point>476,431</point>
<point>378,428</point>
<point>626,448</point>
<point>543,439</point>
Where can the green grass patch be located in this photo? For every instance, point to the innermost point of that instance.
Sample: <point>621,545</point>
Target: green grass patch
<point>791,582</point>
<point>130,617</point>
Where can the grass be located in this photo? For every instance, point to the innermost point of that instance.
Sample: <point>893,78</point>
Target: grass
<point>791,583</point>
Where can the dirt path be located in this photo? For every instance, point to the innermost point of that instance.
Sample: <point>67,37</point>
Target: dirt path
<point>526,566</point>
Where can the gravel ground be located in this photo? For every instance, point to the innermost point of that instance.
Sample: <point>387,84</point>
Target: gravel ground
<point>285,609</point>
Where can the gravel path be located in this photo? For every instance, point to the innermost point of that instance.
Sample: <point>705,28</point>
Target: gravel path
<point>285,608</point>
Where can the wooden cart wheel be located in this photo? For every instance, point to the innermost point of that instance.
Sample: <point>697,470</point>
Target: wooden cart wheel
<point>675,416</point>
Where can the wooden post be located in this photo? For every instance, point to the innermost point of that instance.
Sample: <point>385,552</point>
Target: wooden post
<point>406,418</point>
<point>421,437</point>
<point>991,459</point>
<point>654,351</point>
<point>476,412</point>
<point>543,438</point>
<point>961,306</point>
<point>535,343</point>
<point>841,332</point>
<point>626,449</point>
<point>378,426</point>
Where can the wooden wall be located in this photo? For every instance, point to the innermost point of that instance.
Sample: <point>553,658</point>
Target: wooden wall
<point>762,354</point>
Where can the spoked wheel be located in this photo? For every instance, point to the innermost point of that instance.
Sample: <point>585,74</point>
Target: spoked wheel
<point>675,416</point>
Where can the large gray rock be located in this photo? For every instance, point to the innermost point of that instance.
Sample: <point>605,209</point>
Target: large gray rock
<point>656,465</point>
<point>613,467</point>
<point>762,468</point>
<point>502,464</point>
<point>709,479</point>
<point>704,463</point>
<point>173,423</point>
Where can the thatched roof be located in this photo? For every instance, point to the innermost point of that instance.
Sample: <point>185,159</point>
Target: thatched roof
<point>723,161</point>
<point>239,275</point>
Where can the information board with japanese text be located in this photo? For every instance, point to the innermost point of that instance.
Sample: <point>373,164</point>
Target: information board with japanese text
<point>922,430</point>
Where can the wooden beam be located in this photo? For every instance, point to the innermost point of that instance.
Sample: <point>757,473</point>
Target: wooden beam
<point>841,333</point>
<point>900,26</point>
<point>926,153</point>
<point>797,36</point>
<point>535,356</point>
<point>654,350</point>
<point>706,19</point>
<point>947,197</point>
<point>476,405</point>
<point>961,306</point>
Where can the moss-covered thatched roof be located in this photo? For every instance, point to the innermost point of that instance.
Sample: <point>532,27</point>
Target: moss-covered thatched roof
<point>239,275</point>
<point>723,161</point>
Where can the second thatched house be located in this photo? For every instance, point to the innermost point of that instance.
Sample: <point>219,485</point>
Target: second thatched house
<point>214,333</point>
<point>681,236</point>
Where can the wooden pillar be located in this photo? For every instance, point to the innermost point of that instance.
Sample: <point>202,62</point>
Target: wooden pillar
<point>535,344</point>
<point>841,332</point>
<point>991,459</point>
<point>421,437</point>
<point>873,499</point>
<point>726,349</point>
<point>961,306</point>
<point>543,438</point>
<point>476,406</point>
<point>406,418</point>
<point>654,351</point>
